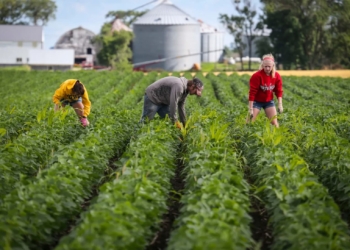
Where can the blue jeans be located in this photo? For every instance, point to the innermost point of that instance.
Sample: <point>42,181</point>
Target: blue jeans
<point>150,109</point>
<point>264,105</point>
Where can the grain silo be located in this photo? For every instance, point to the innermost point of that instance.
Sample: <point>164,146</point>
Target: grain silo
<point>166,38</point>
<point>212,43</point>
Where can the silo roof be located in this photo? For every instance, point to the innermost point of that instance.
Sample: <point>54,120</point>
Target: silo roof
<point>165,13</point>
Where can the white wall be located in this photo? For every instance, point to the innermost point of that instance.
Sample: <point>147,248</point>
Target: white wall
<point>11,55</point>
<point>51,57</point>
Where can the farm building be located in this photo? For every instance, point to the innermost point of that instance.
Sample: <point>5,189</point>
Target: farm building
<point>21,36</point>
<point>80,40</point>
<point>166,38</point>
<point>212,43</point>
<point>23,45</point>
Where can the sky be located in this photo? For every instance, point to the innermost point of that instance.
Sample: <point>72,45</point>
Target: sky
<point>91,14</point>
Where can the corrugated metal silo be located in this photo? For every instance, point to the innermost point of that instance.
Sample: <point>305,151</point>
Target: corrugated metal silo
<point>212,43</point>
<point>166,32</point>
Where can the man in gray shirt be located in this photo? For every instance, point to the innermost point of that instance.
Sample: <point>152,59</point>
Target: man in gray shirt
<point>167,95</point>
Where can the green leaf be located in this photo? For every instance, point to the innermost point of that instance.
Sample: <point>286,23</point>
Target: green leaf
<point>279,168</point>
<point>285,189</point>
<point>2,131</point>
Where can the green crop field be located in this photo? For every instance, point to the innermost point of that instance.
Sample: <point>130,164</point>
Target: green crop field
<point>217,183</point>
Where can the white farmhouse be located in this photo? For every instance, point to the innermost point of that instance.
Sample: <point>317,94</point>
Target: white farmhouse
<point>23,45</point>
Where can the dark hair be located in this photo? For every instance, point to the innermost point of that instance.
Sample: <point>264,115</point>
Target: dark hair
<point>196,82</point>
<point>78,88</point>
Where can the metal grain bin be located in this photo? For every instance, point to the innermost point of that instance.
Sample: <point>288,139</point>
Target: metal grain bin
<point>166,38</point>
<point>212,43</point>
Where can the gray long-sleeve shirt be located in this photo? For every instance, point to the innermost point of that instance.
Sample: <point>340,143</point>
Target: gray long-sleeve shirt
<point>170,91</point>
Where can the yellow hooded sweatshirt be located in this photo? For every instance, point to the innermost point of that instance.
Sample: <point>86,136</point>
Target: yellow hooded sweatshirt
<point>65,93</point>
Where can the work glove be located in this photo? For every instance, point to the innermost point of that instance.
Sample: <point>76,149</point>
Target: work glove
<point>178,124</point>
<point>84,122</point>
<point>280,108</point>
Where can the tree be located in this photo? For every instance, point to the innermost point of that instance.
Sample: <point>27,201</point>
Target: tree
<point>241,25</point>
<point>11,11</point>
<point>128,17</point>
<point>310,21</point>
<point>27,11</point>
<point>263,46</point>
<point>286,38</point>
<point>115,51</point>
<point>234,25</point>
<point>115,45</point>
<point>339,53</point>
<point>40,10</point>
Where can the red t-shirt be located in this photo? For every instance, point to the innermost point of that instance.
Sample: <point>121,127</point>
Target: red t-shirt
<point>262,87</point>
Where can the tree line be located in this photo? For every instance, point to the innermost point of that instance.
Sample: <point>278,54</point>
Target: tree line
<point>27,12</point>
<point>305,34</point>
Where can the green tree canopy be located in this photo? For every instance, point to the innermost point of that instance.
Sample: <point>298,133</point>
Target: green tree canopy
<point>115,45</point>
<point>304,32</point>
<point>35,12</point>
<point>128,17</point>
<point>115,51</point>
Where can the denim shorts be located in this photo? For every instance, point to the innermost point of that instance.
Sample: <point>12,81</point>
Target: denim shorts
<point>66,102</point>
<point>264,105</point>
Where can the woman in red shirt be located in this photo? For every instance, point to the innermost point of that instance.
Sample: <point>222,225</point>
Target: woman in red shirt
<point>263,84</point>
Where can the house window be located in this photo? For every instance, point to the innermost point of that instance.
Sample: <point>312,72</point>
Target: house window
<point>35,44</point>
<point>18,59</point>
<point>20,44</point>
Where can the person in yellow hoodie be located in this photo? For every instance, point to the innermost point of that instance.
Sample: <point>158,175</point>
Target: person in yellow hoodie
<point>72,92</point>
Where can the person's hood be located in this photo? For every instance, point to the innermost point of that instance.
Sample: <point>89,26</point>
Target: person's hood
<point>70,83</point>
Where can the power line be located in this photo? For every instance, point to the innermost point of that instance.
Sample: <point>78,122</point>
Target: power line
<point>145,4</point>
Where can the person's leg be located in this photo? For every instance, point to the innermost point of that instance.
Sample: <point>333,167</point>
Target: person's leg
<point>78,108</point>
<point>149,109</point>
<point>256,111</point>
<point>271,113</point>
<point>163,111</point>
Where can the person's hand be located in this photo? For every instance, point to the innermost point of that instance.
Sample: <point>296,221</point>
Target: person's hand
<point>280,108</point>
<point>178,124</point>
<point>84,122</point>
<point>251,113</point>
<point>57,107</point>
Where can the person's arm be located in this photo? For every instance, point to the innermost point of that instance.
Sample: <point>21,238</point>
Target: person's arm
<point>173,102</point>
<point>253,90</point>
<point>182,112</point>
<point>253,87</point>
<point>250,107</point>
<point>57,107</point>
<point>279,93</point>
<point>58,96</point>
<point>86,103</point>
